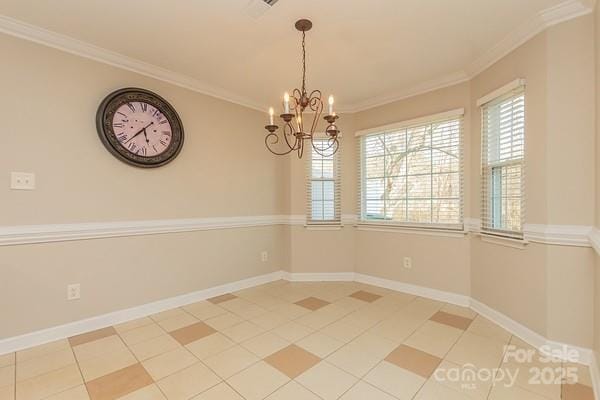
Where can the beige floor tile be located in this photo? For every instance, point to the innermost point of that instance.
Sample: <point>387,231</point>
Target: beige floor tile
<point>204,310</point>
<point>7,359</point>
<point>580,374</point>
<point>258,381</point>
<point>166,314</point>
<point>243,308</point>
<point>421,308</point>
<point>486,328</point>
<point>397,329</point>
<point>265,344</point>
<point>396,381</point>
<point>243,331</point>
<point>434,338</point>
<point>119,383</point>
<point>526,376</point>
<point>460,311</point>
<point>192,333</point>
<point>350,303</point>
<point>210,345</point>
<point>343,331</point>
<point>364,391</point>
<point>320,344</point>
<point>77,393</point>
<point>100,347</point>
<point>291,311</point>
<point>362,354</point>
<point>222,298</point>
<point>466,384</point>
<point>292,361</point>
<point>326,381</point>
<point>455,321</point>
<point>38,351</point>
<point>293,391</point>
<point>231,361</point>
<point>319,319</point>
<point>311,303</point>
<point>270,320</point>
<point>189,382</point>
<point>220,392</point>
<point>7,375</point>
<point>434,391</point>
<point>477,350</point>
<point>7,392</point>
<point>223,321</point>
<point>168,363</point>
<point>501,392</point>
<point>150,392</point>
<point>136,323</point>
<point>154,347</point>
<point>98,366</point>
<point>416,361</point>
<point>141,334</point>
<point>178,321</point>
<point>91,336</point>
<point>292,331</point>
<point>54,382</point>
<point>43,364</point>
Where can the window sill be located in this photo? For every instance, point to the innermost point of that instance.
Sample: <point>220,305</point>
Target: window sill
<point>514,243</point>
<point>323,227</point>
<point>372,227</point>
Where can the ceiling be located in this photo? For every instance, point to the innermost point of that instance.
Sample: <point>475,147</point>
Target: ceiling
<point>364,52</point>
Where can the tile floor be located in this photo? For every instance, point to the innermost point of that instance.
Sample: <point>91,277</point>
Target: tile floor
<point>295,341</point>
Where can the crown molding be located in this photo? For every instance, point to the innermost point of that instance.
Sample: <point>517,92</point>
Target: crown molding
<point>23,30</point>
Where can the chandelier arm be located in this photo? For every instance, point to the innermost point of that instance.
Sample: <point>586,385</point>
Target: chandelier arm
<point>289,131</point>
<point>332,142</point>
<point>273,142</point>
<point>316,104</point>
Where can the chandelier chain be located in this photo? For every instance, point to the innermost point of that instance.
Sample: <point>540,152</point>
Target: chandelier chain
<point>303,62</point>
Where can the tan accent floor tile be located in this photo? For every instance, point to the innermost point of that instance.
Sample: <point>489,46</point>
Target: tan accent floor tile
<point>166,314</point>
<point>223,298</point>
<point>204,310</point>
<point>416,361</point>
<point>220,392</point>
<point>7,359</point>
<point>210,345</point>
<point>154,347</point>
<point>136,323</point>
<point>43,349</point>
<point>54,382</point>
<point>581,372</point>
<point>265,344</point>
<point>292,331</point>
<point>119,383</point>
<point>577,392</point>
<point>434,338</point>
<point>150,392</point>
<point>243,331</point>
<point>460,311</point>
<point>500,392</point>
<point>96,367</point>
<point>452,320</point>
<point>434,391</point>
<point>365,296</point>
<point>192,333</point>
<point>177,322</point>
<point>319,344</point>
<point>364,391</point>
<point>326,381</point>
<point>292,360</point>
<point>7,375</point>
<point>362,354</point>
<point>312,303</point>
<point>169,363</point>
<point>293,391</point>
<point>77,393</point>
<point>141,334</point>
<point>91,336</point>
<point>230,361</point>
<point>258,381</point>
<point>43,364</point>
<point>396,381</point>
<point>223,321</point>
<point>189,382</point>
<point>477,350</point>
<point>7,392</point>
<point>486,328</point>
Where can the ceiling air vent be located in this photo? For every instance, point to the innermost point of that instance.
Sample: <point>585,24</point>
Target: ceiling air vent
<point>257,8</point>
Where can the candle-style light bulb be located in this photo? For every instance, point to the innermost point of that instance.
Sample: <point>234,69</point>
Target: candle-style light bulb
<point>330,105</point>
<point>299,120</point>
<point>286,103</point>
<point>271,112</point>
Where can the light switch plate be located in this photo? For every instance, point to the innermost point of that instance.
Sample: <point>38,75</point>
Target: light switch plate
<point>22,181</point>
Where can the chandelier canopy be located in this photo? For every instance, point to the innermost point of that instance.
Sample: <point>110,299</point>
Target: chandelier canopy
<point>298,129</point>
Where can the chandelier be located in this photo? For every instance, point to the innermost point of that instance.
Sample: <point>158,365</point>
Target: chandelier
<point>298,129</point>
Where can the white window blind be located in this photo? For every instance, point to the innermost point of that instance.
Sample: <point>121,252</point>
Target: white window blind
<point>412,175</point>
<point>323,185</point>
<point>503,164</point>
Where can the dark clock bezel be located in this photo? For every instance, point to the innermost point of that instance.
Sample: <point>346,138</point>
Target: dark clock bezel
<point>104,121</point>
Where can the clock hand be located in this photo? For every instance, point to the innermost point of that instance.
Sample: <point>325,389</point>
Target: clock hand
<point>142,130</point>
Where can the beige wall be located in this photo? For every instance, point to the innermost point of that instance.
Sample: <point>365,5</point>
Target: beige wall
<point>49,100</point>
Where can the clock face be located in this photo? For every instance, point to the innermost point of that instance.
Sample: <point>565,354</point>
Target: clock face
<point>140,128</point>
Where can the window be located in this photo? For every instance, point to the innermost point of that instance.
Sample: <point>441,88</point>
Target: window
<point>503,157</point>
<point>323,184</point>
<point>411,173</point>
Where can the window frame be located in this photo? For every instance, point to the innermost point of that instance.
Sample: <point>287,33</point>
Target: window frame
<point>363,220</point>
<point>336,179</point>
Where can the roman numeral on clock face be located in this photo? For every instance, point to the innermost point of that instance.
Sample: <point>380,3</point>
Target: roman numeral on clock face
<point>131,107</point>
<point>144,107</point>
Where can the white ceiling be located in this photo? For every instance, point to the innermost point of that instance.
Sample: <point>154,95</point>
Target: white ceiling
<point>365,52</point>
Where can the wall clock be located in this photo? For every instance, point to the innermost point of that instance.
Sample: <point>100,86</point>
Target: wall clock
<point>139,127</point>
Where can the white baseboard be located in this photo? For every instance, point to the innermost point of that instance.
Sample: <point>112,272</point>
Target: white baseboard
<point>595,373</point>
<point>102,321</point>
<point>318,276</point>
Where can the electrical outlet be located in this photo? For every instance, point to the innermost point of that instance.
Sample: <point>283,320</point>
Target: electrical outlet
<point>22,181</point>
<point>407,262</point>
<point>264,256</point>
<point>74,291</point>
